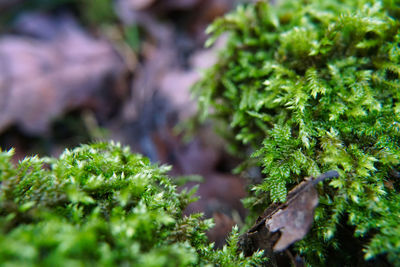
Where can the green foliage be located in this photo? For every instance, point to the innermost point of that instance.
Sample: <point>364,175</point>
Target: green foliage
<point>100,205</point>
<point>312,86</point>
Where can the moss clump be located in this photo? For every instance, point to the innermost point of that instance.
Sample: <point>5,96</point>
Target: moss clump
<point>313,86</point>
<point>100,205</point>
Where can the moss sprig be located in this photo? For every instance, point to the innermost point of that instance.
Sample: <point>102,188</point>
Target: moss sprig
<point>100,205</point>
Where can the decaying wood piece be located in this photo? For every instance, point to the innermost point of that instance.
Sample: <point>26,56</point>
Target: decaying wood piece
<point>283,224</point>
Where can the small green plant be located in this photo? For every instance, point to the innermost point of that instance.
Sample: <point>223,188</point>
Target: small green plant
<point>312,86</point>
<point>100,205</point>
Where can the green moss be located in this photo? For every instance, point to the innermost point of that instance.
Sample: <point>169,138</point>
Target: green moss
<point>313,86</point>
<point>100,205</point>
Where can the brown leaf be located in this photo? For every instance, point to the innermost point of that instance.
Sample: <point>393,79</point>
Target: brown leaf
<point>55,68</point>
<point>294,220</point>
<point>282,225</point>
<point>220,196</point>
<point>219,192</point>
<point>223,226</point>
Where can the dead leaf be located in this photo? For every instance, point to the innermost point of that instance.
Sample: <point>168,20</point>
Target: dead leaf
<point>56,68</point>
<point>219,193</point>
<point>223,226</point>
<point>282,225</point>
<point>294,220</point>
<point>220,196</point>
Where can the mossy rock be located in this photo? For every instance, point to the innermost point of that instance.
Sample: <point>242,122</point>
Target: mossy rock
<point>313,86</point>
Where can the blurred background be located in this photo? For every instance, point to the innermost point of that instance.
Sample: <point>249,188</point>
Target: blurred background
<point>79,71</point>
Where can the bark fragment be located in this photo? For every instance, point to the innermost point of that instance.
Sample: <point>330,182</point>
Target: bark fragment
<point>283,224</point>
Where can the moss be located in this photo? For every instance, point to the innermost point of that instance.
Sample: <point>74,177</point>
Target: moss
<point>100,205</point>
<point>313,86</point>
